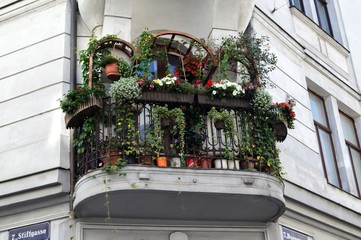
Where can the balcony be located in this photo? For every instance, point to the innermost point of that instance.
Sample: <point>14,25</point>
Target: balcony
<point>179,147</point>
<point>181,194</point>
<point>211,174</point>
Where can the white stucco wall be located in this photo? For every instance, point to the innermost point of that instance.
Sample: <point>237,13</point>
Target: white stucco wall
<point>34,145</point>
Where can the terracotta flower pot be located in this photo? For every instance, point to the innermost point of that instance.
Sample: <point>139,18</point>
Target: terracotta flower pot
<point>162,161</point>
<point>110,156</point>
<point>146,159</point>
<point>206,161</point>
<point>192,162</point>
<point>112,71</point>
<point>248,163</point>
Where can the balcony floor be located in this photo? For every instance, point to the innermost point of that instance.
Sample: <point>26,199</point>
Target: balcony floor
<point>181,194</point>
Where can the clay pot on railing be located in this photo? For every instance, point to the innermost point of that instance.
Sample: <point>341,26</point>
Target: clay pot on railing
<point>162,161</point>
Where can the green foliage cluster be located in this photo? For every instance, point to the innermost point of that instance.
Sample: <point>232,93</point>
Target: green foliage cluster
<point>125,90</point>
<point>74,98</point>
<point>249,56</point>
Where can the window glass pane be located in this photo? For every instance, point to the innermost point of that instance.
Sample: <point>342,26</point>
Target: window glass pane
<point>357,164</point>
<point>298,4</point>
<point>328,157</point>
<point>348,129</point>
<point>323,16</point>
<point>318,110</point>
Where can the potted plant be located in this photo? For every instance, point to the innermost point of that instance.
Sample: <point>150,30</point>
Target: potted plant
<point>249,56</point>
<point>222,119</point>
<point>176,115</point>
<point>167,89</point>
<point>144,55</point>
<point>110,63</point>
<point>109,152</point>
<point>81,102</point>
<point>125,90</point>
<point>246,151</point>
<point>284,117</point>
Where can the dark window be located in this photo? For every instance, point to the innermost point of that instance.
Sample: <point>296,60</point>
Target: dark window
<point>325,140</point>
<point>323,16</point>
<point>352,143</point>
<point>298,4</point>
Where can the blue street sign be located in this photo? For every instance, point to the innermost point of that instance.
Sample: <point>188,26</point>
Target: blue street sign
<point>289,234</point>
<point>34,232</point>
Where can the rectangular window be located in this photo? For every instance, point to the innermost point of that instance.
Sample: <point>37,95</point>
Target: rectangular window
<point>352,143</point>
<point>325,140</point>
<point>323,16</point>
<point>298,4</point>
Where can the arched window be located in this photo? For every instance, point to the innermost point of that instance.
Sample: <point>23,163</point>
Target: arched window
<point>182,55</point>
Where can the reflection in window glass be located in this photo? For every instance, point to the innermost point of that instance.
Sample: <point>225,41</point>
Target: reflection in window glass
<point>322,14</point>
<point>348,129</point>
<point>328,157</point>
<point>357,165</point>
<point>318,110</point>
<point>298,4</point>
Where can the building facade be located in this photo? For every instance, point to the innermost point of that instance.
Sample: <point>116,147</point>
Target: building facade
<point>317,44</point>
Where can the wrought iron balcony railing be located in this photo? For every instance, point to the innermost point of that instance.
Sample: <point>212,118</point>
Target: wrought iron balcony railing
<point>138,134</point>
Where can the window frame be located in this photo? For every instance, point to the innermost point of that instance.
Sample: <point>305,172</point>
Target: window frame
<point>326,129</point>
<point>350,146</point>
<point>320,22</point>
<point>300,6</point>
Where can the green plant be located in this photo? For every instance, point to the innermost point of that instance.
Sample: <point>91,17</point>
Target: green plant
<point>227,117</point>
<point>224,88</point>
<point>191,70</point>
<point>84,56</point>
<point>261,102</point>
<point>126,115</point>
<point>108,60</point>
<point>125,70</point>
<point>249,56</point>
<point>179,118</point>
<point>85,136</point>
<point>144,55</point>
<point>167,84</point>
<point>194,135</point>
<point>74,98</point>
<point>125,90</point>
<point>284,112</point>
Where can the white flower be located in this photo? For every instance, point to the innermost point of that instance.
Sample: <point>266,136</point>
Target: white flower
<point>234,93</point>
<point>214,92</point>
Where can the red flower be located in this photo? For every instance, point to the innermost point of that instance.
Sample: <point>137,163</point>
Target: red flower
<point>78,89</point>
<point>178,82</point>
<point>209,84</point>
<point>292,114</point>
<point>184,108</point>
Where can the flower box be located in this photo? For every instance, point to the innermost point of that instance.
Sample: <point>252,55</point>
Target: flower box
<point>226,102</point>
<point>166,97</point>
<point>85,109</point>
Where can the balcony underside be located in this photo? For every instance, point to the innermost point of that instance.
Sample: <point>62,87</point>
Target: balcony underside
<point>181,195</point>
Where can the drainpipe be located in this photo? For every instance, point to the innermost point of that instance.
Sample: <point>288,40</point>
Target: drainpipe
<point>73,67</point>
